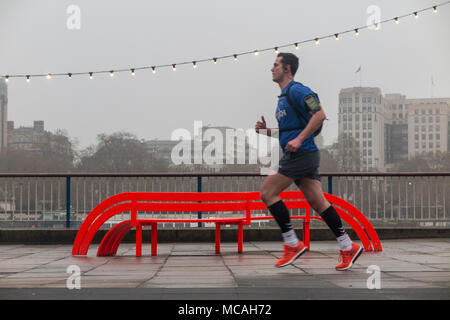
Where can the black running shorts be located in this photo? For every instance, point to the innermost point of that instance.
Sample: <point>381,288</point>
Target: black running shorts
<point>299,164</point>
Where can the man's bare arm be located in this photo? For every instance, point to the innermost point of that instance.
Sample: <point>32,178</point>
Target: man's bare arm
<point>313,124</point>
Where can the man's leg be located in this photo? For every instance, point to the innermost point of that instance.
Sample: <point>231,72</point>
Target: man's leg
<point>270,195</point>
<point>272,186</point>
<point>312,190</point>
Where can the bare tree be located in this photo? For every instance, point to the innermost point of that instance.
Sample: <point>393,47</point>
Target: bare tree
<point>119,152</point>
<point>55,155</point>
<point>328,163</point>
<point>347,154</point>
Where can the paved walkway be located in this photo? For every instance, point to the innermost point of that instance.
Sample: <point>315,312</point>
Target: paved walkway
<point>409,269</point>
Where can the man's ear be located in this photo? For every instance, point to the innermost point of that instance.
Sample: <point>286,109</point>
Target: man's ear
<point>287,68</point>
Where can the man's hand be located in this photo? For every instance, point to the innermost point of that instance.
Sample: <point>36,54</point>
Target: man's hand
<point>260,125</point>
<point>294,144</point>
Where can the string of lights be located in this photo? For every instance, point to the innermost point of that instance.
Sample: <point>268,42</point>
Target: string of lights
<point>194,63</point>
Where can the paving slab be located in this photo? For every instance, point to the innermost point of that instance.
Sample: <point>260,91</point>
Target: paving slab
<point>408,268</point>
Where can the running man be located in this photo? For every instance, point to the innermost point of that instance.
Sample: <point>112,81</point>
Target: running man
<point>299,116</point>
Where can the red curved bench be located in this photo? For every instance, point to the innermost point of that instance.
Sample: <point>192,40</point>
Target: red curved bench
<point>239,206</point>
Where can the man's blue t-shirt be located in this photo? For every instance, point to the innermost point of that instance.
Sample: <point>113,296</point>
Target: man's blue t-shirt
<point>287,118</point>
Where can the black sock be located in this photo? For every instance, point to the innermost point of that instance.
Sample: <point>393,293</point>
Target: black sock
<point>332,219</point>
<point>281,215</point>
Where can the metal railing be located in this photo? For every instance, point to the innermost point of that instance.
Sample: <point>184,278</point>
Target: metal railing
<point>64,200</point>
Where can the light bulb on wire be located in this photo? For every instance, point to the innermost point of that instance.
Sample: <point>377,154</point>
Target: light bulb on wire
<point>376,26</point>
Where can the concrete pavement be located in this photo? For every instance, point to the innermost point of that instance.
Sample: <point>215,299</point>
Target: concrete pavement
<point>408,269</point>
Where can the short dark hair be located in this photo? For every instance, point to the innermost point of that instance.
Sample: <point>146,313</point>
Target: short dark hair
<point>289,59</point>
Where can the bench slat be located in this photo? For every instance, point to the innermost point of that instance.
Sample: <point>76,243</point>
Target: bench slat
<point>191,207</point>
<point>192,196</point>
<point>302,204</point>
<point>221,220</point>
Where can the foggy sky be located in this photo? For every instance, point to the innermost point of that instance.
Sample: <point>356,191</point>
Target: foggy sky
<point>34,38</point>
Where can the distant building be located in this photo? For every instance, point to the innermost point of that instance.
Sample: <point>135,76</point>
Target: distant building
<point>418,126</point>
<point>235,145</point>
<point>396,129</point>
<point>32,139</point>
<point>212,154</point>
<point>35,139</point>
<point>362,117</point>
<point>3,115</point>
<point>391,128</point>
<point>428,126</point>
<point>161,148</point>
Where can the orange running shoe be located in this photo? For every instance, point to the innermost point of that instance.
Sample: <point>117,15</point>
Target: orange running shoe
<point>290,254</point>
<point>347,258</point>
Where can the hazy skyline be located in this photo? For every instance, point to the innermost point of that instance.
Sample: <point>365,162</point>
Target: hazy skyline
<point>34,38</point>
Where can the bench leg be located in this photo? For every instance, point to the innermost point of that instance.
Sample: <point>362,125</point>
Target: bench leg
<point>154,239</point>
<point>306,234</point>
<point>217,237</point>
<point>240,237</point>
<point>138,240</point>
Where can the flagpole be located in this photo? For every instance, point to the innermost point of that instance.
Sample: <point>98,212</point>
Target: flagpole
<point>360,78</point>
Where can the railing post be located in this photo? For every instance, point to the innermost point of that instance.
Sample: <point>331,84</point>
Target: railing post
<point>199,189</point>
<point>330,184</point>
<point>68,202</point>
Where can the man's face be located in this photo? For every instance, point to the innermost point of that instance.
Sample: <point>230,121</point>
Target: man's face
<point>278,72</point>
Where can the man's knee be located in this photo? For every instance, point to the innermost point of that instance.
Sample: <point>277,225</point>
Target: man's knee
<point>319,204</point>
<point>267,196</point>
<point>317,201</point>
<point>264,195</point>
<point>313,192</point>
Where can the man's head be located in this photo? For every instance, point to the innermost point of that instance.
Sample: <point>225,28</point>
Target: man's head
<point>285,66</point>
